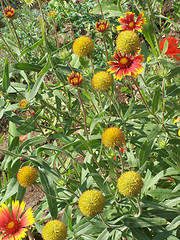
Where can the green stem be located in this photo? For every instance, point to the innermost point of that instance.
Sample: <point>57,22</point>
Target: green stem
<point>107,224</point>
<point>101,10</point>
<point>164,101</point>
<point>20,47</point>
<point>117,110</point>
<point>106,51</point>
<point>8,47</point>
<point>122,162</point>
<point>92,64</point>
<point>139,208</point>
<point>86,131</point>
<point>57,42</point>
<point>156,118</point>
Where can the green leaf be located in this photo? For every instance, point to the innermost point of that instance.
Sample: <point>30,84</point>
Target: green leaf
<point>35,88</point>
<point>51,196</point>
<point>142,222</point>
<point>34,46</point>
<point>149,34</point>
<point>174,157</point>
<point>139,234</point>
<point>155,100</point>
<point>33,142</point>
<point>28,125</point>
<point>26,67</point>
<point>1,140</point>
<point>98,179</point>
<point>20,193</point>
<point>6,81</point>
<point>45,68</point>
<point>11,189</point>
<point>174,224</point>
<point>165,48</point>
<point>162,193</point>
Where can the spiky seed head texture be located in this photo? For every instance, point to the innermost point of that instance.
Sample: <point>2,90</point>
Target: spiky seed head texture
<point>91,202</point>
<point>112,137</point>
<point>130,184</point>
<point>102,81</point>
<point>83,46</point>
<point>26,176</point>
<point>54,230</point>
<point>127,42</point>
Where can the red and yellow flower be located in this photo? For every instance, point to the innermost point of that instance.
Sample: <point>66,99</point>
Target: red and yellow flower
<point>9,12</point>
<point>52,14</point>
<point>130,24</point>
<point>102,26</point>
<point>13,221</point>
<point>22,103</point>
<point>75,78</point>
<point>125,65</point>
<point>172,50</point>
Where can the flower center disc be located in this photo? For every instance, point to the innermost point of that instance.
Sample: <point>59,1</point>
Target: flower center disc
<point>12,226</point>
<point>101,26</point>
<point>75,80</point>
<point>124,60</point>
<point>9,13</point>
<point>131,24</point>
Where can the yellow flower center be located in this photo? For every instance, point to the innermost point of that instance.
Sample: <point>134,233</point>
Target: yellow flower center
<point>102,26</point>
<point>75,80</point>
<point>124,60</point>
<point>12,227</point>
<point>131,24</point>
<point>9,13</point>
<point>10,224</point>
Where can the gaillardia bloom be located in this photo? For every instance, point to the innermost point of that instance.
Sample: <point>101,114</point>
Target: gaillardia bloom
<point>125,65</point>
<point>128,42</point>
<point>129,23</point>
<point>13,221</point>
<point>26,176</point>
<point>172,50</point>
<point>102,81</point>
<point>9,12</point>
<point>83,46</point>
<point>54,230</point>
<point>91,203</point>
<point>130,184</point>
<point>75,78</point>
<point>52,14</point>
<point>112,137</point>
<point>22,103</point>
<point>102,26</point>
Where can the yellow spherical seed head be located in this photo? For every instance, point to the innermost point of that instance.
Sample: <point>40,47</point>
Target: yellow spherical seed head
<point>102,81</point>
<point>83,46</point>
<point>130,184</point>
<point>54,230</point>
<point>27,175</point>
<point>91,202</point>
<point>127,42</point>
<point>112,137</point>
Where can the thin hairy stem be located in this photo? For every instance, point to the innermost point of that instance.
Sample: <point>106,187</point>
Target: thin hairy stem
<point>101,10</point>
<point>148,109</point>
<point>107,224</point>
<point>139,208</point>
<point>122,162</point>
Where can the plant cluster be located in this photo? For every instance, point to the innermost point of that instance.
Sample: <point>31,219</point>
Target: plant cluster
<point>93,120</point>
